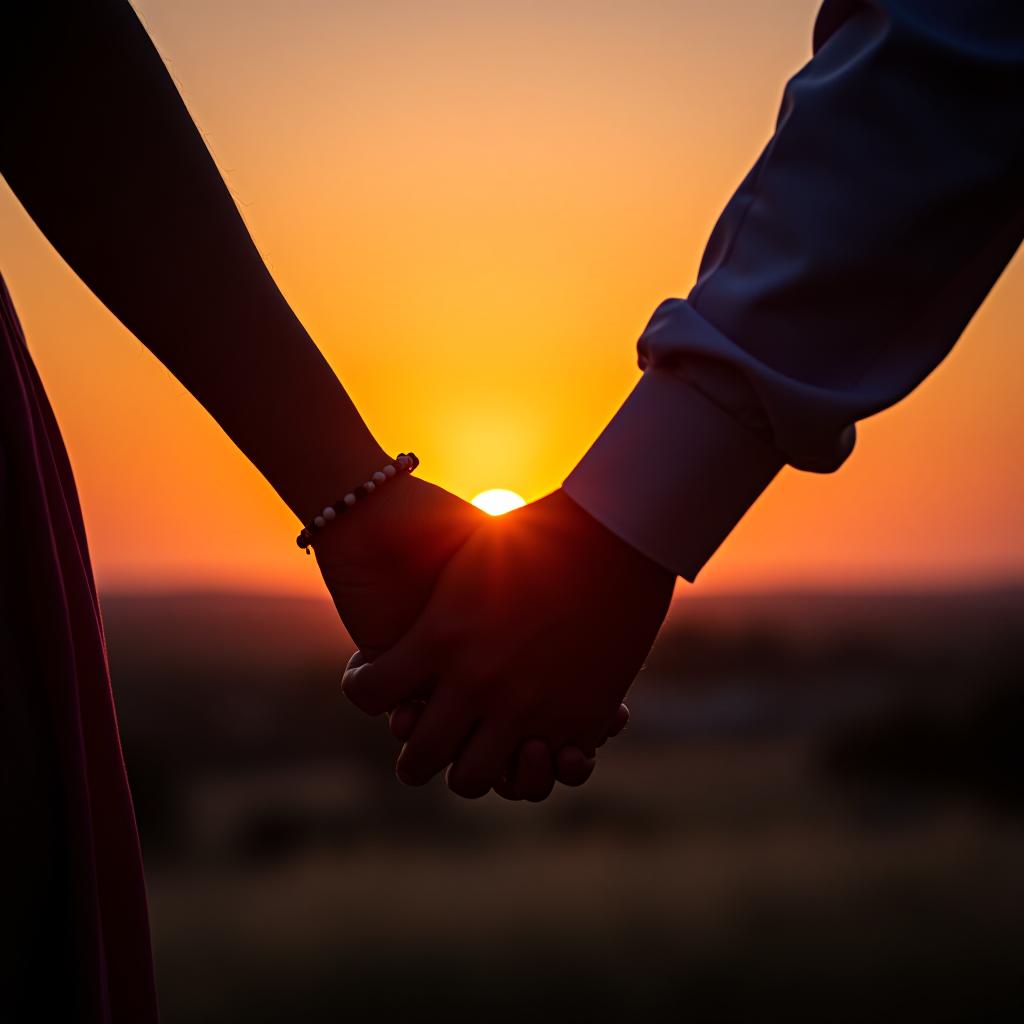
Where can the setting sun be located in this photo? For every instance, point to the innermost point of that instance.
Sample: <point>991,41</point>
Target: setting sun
<point>489,164</point>
<point>498,501</point>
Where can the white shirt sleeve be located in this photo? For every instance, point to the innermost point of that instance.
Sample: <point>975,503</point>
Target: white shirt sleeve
<point>840,274</point>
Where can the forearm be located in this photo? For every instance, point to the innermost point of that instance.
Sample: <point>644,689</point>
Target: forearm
<point>878,218</point>
<point>100,149</point>
<point>840,274</point>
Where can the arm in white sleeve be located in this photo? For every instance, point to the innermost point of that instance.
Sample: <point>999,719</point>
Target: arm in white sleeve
<point>840,274</point>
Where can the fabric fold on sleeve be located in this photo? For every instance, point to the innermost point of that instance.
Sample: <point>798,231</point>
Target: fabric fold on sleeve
<point>847,264</point>
<point>672,473</point>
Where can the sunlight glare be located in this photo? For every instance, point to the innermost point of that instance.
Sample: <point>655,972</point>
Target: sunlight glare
<point>498,501</point>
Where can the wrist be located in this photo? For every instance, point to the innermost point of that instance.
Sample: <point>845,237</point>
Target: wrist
<point>612,549</point>
<point>672,473</point>
<point>327,471</point>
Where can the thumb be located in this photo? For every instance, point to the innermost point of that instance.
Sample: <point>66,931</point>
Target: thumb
<point>392,678</point>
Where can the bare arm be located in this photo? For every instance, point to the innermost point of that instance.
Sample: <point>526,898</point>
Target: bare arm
<point>98,146</point>
<point>100,149</point>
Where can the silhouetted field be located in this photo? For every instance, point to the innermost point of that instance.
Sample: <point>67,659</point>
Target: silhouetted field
<point>817,813</point>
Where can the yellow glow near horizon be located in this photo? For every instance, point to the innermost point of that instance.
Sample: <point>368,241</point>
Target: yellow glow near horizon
<point>498,501</point>
<point>474,208</point>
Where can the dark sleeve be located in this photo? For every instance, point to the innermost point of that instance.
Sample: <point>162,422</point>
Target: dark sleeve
<point>845,267</point>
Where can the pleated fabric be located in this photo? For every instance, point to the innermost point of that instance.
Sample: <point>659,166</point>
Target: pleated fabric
<point>76,922</point>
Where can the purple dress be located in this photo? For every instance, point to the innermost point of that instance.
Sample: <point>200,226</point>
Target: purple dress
<point>74,925</point>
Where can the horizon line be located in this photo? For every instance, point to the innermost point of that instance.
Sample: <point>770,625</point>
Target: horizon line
<point>945,588</point>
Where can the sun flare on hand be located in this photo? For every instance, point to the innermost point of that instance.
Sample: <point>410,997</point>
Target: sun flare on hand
<point>498,501</point>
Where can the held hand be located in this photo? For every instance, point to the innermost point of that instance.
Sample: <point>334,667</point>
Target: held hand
<point>381,562</point>
<point>535,630</point>
<point>380,567</point>
<point>528,776</point>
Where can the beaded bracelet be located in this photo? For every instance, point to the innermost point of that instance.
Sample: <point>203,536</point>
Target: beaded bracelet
<point>404,463</point>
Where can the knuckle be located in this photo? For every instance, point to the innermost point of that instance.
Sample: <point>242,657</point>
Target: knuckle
<point>357,659</point>
<point>419,764</point>
<point>413,775</point>
<point>467,786</point>
<point>363,698</point>
<point>585,733</point>
<point>574,768</point>
<point>538,792</point>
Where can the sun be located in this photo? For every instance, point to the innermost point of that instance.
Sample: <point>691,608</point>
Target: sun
<point>498,501</point>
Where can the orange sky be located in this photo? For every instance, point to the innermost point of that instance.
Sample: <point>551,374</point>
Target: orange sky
<point>474,207</point>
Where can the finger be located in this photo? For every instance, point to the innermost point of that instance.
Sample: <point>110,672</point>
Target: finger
<point>403,719</point>
<point>358,658</point>
<point>482,761</point>
<point>535,774</point>
<point>505,787</point>
<point>573,767</point>
<point>392,678</point>
<point>619,722</point>
<point>439,735</point>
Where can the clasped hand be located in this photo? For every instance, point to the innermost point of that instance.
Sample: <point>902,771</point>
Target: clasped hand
<point>502,647</point>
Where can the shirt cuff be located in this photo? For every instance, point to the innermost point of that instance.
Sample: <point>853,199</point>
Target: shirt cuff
<point>672,473</point>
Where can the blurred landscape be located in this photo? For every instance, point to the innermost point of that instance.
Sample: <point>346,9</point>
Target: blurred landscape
<point>816,813</point>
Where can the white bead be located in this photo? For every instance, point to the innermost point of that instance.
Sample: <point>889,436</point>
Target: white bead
<point>349,499</point>
<point>320,521</point>
<point>370,486</point>
<point>329,513</point>
<point>390,470</point>
<point>404,461</point>
<point>379,477</point>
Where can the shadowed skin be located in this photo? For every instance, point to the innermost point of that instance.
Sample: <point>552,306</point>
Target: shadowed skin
<point>537,627</point>
<point>381,568</point>
<point>148,224</point>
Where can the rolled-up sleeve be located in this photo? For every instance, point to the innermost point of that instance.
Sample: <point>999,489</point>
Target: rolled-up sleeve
<point>842,271</point>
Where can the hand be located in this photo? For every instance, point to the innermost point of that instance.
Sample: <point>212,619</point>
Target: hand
<point>380,567</point>
<point>529,775</point>
<point>536,629</point>
<point>380,564</point>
